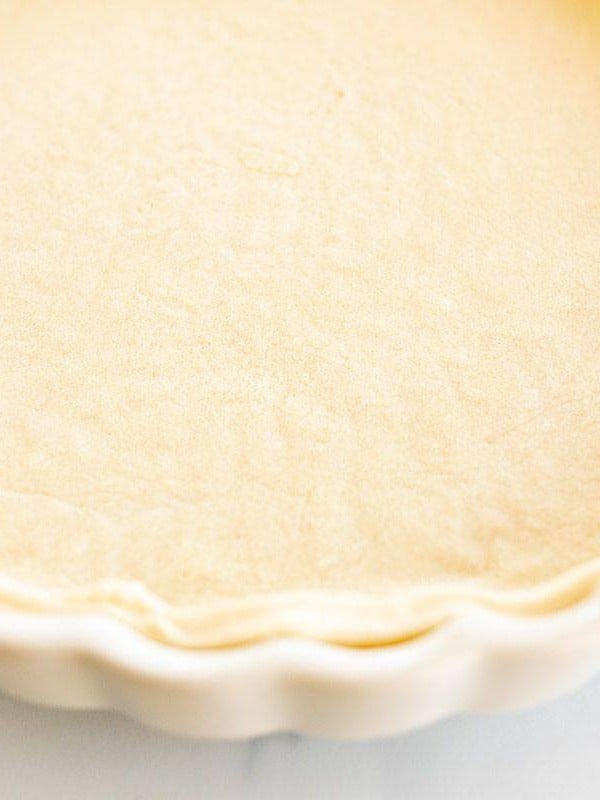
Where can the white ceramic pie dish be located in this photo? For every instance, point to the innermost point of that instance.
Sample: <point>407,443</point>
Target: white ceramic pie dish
<point>482,661</point>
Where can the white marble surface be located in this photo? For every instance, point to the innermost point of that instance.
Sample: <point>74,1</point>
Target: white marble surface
<point>550,752</point>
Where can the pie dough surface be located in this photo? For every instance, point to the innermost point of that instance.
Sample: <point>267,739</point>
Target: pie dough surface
<point>299,311</point>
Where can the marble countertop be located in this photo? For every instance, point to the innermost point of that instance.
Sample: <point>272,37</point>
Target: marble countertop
<point>549,752</point>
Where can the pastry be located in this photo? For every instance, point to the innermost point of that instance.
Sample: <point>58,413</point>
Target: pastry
<point>299,313</point>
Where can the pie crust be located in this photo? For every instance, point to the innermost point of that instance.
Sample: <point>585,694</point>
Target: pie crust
<point>299,313</point>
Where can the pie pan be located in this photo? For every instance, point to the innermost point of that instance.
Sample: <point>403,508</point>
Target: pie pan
<point>301,298</point>
<point>481,660</point>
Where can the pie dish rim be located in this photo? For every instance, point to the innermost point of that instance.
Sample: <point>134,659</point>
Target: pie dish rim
<point>482,660</point>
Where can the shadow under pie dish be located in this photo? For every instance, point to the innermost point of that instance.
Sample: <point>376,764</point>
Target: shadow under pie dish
<point>300,315</point>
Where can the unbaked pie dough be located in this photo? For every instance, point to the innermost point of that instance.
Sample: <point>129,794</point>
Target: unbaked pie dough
<point>299,312</point>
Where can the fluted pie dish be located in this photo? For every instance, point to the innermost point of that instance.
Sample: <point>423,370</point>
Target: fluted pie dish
<point>300,373</point>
